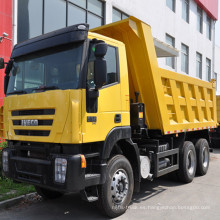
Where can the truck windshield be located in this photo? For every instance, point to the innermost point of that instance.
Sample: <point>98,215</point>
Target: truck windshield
<point>56,68</point>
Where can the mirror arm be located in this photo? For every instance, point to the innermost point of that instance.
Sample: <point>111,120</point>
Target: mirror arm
<point>93,93</point>
<point>8,68</point>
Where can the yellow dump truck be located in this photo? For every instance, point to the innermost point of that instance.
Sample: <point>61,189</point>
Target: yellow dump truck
<point>91,111</point>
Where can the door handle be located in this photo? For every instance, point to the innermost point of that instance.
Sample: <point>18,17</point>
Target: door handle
<point>117,118</point>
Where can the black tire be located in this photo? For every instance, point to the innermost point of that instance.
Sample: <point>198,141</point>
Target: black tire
<point>187,163</point>
<point>48,194</point>
<point>202,154</point>
<point>117,167</point>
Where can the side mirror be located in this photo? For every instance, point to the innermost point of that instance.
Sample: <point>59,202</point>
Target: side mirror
<point>2,63</point>
<point>6,81</point>
<point>100,69</point>
<point>101,49</point>
<point>100,66</point>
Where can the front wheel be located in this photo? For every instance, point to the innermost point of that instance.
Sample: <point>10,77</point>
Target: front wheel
<point>116,193</point>
<point>48,194</point>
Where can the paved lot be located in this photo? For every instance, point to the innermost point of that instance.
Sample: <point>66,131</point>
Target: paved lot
<point>160,199</point>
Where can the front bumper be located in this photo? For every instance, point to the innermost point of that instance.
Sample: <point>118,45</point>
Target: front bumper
<point>41,172</point>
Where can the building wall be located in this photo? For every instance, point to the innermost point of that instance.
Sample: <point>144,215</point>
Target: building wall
<point>217,68</point>
<point>163,20</point>
<point>5,45</point>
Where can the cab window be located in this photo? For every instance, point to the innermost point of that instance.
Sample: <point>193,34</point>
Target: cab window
<point>112,73</point>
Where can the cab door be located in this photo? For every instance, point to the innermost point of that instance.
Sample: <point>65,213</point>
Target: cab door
<point>103,107</point>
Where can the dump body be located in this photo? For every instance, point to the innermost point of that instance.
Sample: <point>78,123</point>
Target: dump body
<point>218,107</point>
<point>173,102</point>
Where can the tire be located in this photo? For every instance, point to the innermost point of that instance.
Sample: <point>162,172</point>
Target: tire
<point>187,162</point>
<point>111,202</point>
<point>47,193</point>
<point>202,154</point>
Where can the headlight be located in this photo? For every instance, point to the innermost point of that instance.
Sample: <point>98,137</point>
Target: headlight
<point>5,161</point>
<point>60,170</point>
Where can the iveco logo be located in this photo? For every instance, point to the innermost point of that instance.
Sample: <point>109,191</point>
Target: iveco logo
<point>29,122</point>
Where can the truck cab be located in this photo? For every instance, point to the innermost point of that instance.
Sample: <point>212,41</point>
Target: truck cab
<point>61,80</point>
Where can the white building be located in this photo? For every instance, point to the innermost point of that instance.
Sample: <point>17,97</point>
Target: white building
<point>188,25</point>
<point>177,23</point>
<point>217,68</point>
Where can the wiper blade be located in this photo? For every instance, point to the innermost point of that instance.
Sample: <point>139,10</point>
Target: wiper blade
<point>17,92</point>
<point>46,88</point>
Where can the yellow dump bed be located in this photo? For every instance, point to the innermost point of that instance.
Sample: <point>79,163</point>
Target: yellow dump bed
<point>218,108</point>
<point>173,102</point>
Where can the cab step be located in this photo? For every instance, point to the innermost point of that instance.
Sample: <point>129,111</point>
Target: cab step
<point>92,179</point>
<point>90,194</point>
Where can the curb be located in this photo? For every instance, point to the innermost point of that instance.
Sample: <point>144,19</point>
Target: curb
<point>14,201</point>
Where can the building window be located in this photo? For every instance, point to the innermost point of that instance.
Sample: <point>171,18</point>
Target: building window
<point>86,11</point>
<point>51,11</point>
<point>209,28</point>
<point>185,10</point>
<point>216,78</point>
<point>28,25</point>
<point>171,4</point>
<point>75,14</point>
<point>184,58</point>
<point>170,61</point>
<point>199,65</point>
<point>199,20</point>
<point>118,15</point>
<point>55,14</point>
<point>208,69</point>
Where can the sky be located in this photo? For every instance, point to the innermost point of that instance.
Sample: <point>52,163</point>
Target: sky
<point>217,27</point>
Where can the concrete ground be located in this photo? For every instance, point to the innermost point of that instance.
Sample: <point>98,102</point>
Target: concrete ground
<point>160,199</point>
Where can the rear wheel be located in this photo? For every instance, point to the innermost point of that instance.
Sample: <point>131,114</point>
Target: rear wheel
<point>48,194</point>
<point>116,193</point>
<point>202,153</point>
<point>187,164</point>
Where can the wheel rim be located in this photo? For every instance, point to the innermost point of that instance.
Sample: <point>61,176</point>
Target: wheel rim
<point>119,186</point>
<point>205,156</point>
<point>190,162</point>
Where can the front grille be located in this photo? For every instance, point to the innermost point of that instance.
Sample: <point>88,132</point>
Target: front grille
<point>33,112</point>
<point>40,122</point>
<point>21,166</point>
<point>32,133</point>
<point>33,119</point>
